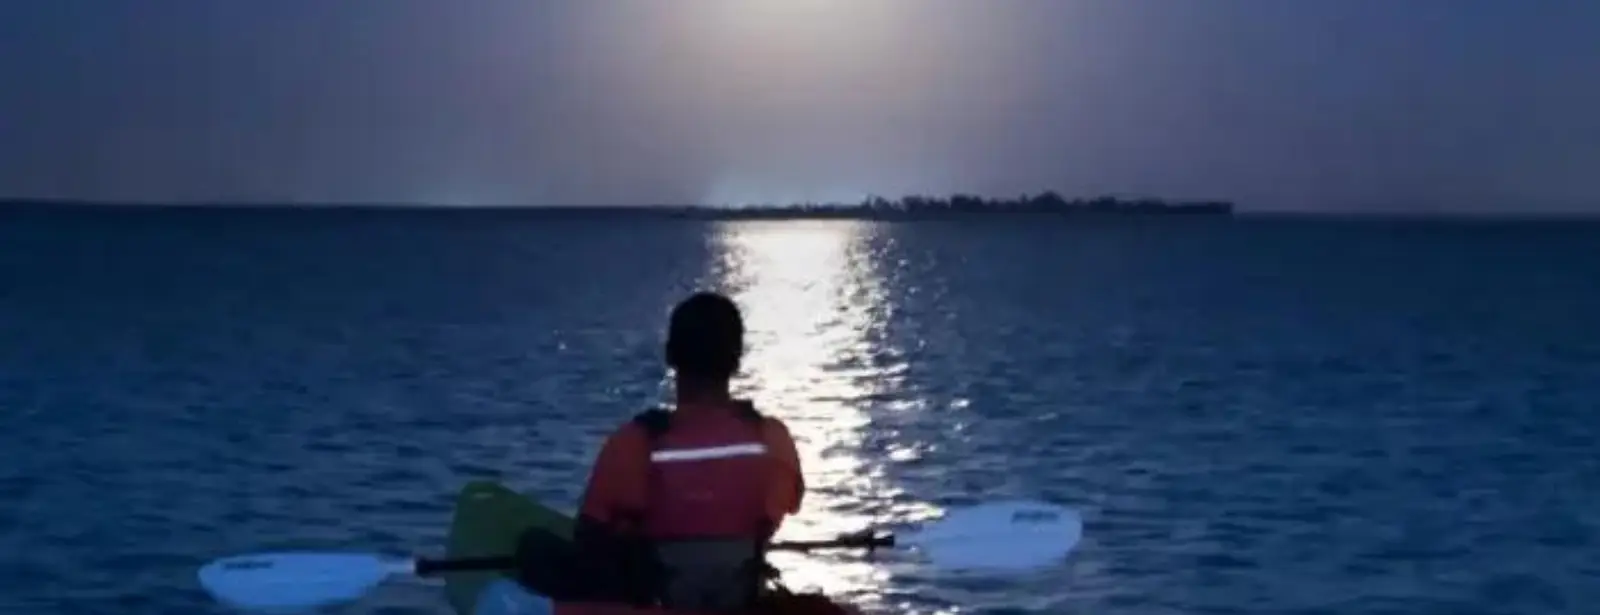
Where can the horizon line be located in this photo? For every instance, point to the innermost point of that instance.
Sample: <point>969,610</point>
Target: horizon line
<point>841,210</point>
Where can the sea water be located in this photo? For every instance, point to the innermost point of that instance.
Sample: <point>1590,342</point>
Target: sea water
<point>1255,416</point>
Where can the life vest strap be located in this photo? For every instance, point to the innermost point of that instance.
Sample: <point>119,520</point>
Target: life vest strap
<point>750,570</point>
<point>658,421</point>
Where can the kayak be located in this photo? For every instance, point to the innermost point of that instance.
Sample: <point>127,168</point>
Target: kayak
<point>489,520</point>
<point>491,523</point>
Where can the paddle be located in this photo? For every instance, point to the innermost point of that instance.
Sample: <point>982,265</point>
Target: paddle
<point>998,536</point>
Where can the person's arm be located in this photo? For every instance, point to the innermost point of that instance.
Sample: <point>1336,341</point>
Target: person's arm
<point>615,494</point>
<point>612,554</point>
<point>786,486</point>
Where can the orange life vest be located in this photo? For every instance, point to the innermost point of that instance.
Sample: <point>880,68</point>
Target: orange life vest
<point>708,477</point>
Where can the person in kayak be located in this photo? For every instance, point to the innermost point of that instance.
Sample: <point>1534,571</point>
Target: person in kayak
<point>681,504</point>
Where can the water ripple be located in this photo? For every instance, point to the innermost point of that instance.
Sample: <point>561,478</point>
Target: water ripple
<point>1249,424</point>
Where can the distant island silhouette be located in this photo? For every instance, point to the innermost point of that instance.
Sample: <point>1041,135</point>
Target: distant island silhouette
<point>873,207</point>
<point>1048,202</point>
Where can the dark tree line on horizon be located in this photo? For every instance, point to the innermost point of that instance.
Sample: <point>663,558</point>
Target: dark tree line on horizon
<point>872,206</point>
<point>1047,201</point>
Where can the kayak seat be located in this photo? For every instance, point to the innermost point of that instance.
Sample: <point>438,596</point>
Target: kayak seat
<point>549,565</point>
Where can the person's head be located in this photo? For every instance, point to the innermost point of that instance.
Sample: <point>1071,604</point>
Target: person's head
<point>705,339</point>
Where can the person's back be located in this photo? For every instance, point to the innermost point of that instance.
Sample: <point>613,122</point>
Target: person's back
<point>699,491</point>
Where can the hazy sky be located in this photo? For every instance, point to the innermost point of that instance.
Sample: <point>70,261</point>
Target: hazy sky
<point>1332,104</point>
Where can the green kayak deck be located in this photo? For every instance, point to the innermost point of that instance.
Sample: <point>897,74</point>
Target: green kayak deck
<point>488,520</point>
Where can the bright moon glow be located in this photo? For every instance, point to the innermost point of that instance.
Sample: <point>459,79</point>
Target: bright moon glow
<point>811,294</point>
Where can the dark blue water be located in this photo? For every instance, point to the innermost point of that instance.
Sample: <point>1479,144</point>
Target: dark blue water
<point>1255,416</point>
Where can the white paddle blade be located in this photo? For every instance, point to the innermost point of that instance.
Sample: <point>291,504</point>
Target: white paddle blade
<point>1000,536</point>
<point>295,581</point>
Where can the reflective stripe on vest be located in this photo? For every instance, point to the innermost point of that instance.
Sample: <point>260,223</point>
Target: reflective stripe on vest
<point>708,453</point>
<point>707,480</point>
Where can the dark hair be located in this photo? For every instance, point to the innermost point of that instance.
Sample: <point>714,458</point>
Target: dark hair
<point>705,337</point>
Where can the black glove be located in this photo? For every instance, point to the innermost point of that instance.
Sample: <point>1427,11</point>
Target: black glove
<point>547,565</point>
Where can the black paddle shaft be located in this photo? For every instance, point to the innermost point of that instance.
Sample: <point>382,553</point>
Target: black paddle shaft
<point>852,541</point>
<point>429,567</point>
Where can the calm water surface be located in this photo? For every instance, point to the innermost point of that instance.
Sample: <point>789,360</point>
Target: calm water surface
<point>1255,416</point>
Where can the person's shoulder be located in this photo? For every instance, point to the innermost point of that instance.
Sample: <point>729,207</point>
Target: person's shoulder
<point>773,422</point>
<point>651,422</point>
<point>632,431</point>
<point>774,427</point>
<point>780,444</point>
<point>628,428</point>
